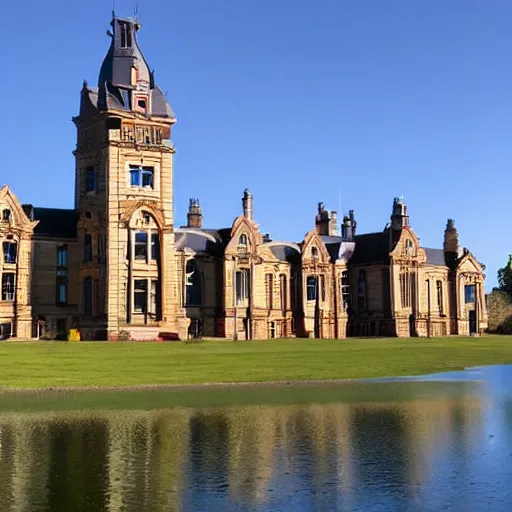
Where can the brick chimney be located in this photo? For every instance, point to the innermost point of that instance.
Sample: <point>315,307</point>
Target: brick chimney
<point>247,204</point>
<point>194,215</point>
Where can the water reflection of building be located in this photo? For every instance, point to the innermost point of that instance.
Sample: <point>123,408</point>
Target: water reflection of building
<point>179,459</point>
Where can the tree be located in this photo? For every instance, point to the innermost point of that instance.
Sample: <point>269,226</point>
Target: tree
<point>505,277</point>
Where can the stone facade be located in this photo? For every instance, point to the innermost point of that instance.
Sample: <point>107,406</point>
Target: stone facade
<point>117,268</point>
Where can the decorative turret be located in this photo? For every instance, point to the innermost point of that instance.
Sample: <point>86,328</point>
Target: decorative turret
<point>195,214</point>
<point>399,217</point>
<point>247,204</point>
<point>125,81</point>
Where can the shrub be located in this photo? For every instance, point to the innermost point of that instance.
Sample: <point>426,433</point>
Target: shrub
<point>499,311</point>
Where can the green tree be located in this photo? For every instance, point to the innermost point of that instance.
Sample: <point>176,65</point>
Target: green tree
<point>505,277</point>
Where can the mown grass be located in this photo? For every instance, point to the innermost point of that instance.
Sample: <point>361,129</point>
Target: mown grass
<point>61,364</point>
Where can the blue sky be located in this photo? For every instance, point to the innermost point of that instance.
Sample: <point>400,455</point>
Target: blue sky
<point>293,99</point>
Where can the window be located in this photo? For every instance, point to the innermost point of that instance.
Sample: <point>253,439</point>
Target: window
<point>242,243</point>
<point>140,295</point>
<point>141,104</point>
<point>269,290</point>
<point>101,248</point>
<point>193,284</point>
<point>345,290</point>
<point>126,35</point>
<point>409,249</point>
<point>8,289</point>
<point>62,275</point>
<point>62,256</point>
<point>311,287</point>
<point>153,299</point>
<point>6,214</point>
<point>470,293</point>
<point>87,247</point>
<point>439,290</point>
<point>283,292</point>
<point>90,174</point>
<point>87,295</point>
<point>322,287</point>
<point>141,245</point>
<point>141,176</point>
<point>361,290</point>
<point>314,252</point>
<point>242,285</point>
<point>10,252</point>
<point>155,246</point>
<point>62,289</point>
<point>407,288</point>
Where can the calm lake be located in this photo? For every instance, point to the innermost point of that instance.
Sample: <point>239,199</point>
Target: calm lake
<point>433,443</point>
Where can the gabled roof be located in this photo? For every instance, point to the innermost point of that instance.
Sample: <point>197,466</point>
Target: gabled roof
<point>371,248</point>
<point>53,222</point>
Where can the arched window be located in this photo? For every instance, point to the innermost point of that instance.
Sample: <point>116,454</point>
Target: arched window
<point>242,284</point>
<point>193,284</point>
<point>439,291</point>
<point>146,239</point>
<point>314,252</point>
<point>6,214</point>
<point>283,292</point>
<point>269,290</point>
<point>311,287</point>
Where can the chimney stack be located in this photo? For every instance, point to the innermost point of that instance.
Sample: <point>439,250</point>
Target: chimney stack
<point>247,204</point>
<point>194,215</point>
<point>399,217</point>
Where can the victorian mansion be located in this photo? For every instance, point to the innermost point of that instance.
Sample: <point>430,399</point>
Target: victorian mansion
<point>116,266</point>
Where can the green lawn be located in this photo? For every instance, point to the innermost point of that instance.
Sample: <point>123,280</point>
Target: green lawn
<point>56,364</point>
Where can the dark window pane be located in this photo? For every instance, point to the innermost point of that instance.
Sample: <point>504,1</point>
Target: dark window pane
<point>147,177</point>
<point>87,247</point>
<point>91,179</point>
<point>8,288</point>
<point>311,288</point>
<point>62,256</point>
<point>135,177</point>
<point>87,295</point>
<point>141,245</point>
<point>10,252</point>
<point>469,292</point>
<point>140,295</point>
<point>155,246</point>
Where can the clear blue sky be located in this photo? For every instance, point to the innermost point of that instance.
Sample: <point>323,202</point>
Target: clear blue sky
<point>292,99</point>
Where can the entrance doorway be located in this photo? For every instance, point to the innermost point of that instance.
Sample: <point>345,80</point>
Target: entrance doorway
<point>472,322</point>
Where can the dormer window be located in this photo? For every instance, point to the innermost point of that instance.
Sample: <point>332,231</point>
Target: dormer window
<point>6,214</point>
<point>242,243</point>
<point>126,35</point>
<point>409,249</point>
<point>314,253</point>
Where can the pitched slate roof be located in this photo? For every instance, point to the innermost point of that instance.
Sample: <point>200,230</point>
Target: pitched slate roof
<point>435,256</point>
<point>284,252</point>
<point>54,222</point>
<point>210,241</point>
<point>371,248</point>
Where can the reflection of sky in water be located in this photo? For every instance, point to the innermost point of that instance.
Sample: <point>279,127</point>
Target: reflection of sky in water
<point>441,447</point>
